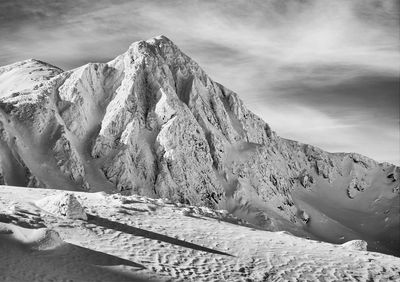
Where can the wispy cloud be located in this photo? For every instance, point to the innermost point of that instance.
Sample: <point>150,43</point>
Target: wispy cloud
<point>315,69</point>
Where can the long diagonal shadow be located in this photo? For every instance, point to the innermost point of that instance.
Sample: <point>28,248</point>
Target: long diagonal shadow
<point>86,264</point>
<point>80,254</point>
<point>100,221</point>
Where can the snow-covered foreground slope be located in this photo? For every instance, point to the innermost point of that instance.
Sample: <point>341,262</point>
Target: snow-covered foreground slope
<point>152,122</point>
<point>134,238</point>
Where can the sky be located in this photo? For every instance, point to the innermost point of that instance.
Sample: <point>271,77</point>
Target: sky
<point>323,72</point>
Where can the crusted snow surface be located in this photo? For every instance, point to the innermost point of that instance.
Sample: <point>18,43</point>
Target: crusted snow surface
<point>136,238</point>
<point>152,122</point>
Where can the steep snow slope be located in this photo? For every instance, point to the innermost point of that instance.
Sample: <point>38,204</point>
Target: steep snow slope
<point>152,122</point>
<point>370,211</point>
<point>134,238</point>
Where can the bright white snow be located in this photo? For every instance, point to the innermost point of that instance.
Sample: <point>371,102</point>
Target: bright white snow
<point>133,238</point>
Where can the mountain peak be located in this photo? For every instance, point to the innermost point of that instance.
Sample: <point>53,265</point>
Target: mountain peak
<point>23,76</point>
<point>157,41</point>
<point>152,122</point>
<point>28,63</point>
<point>160,39</point>
<point>159,46</point>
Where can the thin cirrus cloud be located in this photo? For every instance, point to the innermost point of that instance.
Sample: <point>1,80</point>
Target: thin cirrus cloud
<point>322,72</point>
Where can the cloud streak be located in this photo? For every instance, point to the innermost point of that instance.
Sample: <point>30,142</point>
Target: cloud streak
<point>314,69</point>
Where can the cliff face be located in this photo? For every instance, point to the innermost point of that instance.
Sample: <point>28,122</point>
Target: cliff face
<point>152,122</point>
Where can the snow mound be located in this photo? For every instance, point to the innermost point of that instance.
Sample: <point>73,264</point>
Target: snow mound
<point>356,245</point>
<point>37,239</point>
<point>44,239</point>
<point>4,229</point>
<point>65,204</point>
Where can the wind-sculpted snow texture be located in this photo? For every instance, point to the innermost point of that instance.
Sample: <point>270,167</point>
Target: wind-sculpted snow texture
<point>152,122</point>
<point>136,238</point>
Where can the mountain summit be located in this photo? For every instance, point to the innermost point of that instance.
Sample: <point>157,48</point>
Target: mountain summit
<point>152,122</point>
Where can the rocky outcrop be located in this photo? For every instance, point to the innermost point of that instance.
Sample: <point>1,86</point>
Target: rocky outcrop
<point>306,180</point>
<point>2,182</point>
<point>356,186</point>
<point>355,245</point>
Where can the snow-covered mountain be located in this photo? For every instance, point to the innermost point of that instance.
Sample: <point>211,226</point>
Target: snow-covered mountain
<point>151,122</point>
